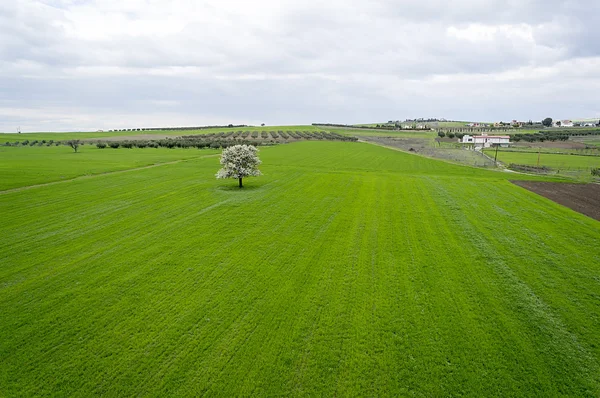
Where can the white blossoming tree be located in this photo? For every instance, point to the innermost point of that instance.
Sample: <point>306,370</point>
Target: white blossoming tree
<point>239,161</point>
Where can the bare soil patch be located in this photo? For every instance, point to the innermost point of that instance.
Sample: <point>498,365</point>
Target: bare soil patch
<point>583,198</point>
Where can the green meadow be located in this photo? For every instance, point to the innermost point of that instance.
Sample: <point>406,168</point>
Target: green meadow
<point>347,269</point>
<point>589,140</point>
<point>24,166</point>
<point>552,160</point>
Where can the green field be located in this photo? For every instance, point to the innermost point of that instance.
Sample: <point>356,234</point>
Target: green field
<point>424,134</point>
<point>589,140</point>
<point>554,161</point>
<point>11,138</point>
<point>23,166</point>
<point>346,270</point>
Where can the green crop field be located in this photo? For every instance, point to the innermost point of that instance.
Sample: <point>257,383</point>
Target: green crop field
<point>346,270</point>
<point>23,166</point>
<point>589,140</point>
<point>555,161</point>
<point>424,134</point>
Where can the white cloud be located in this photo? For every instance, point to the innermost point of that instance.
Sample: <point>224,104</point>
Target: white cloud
<point>295,61</point>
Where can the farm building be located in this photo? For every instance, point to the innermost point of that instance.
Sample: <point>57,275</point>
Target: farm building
<point>486,141</point>
<point>563,123</point>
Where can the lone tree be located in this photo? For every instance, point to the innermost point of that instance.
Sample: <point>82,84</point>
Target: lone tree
<point>74,144</point>
<point>547,122</point>
<point>239,161</point>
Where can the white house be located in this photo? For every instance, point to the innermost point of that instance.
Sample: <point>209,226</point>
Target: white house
<point>486,141</point>
<point>563,123</point>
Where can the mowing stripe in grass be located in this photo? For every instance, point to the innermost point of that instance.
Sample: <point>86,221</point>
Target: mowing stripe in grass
<point>372,272</point>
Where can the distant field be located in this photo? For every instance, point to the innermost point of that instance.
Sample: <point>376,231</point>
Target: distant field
<point>426,134</point>
<point>438,124</point>
<point>554,161</point>
<point>22,166</point>
<point>6,137</point>
<point>346,270</point>
<point>453,124</point>
<point>594,140</point>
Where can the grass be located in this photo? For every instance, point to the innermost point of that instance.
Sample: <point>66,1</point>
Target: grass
<point>589,140</point>
<point>347,269</point>
<point>553,149</point>
<point>8,137</point>
<point>552,160</point>
<point>23,166</point>
<point>424,134</point>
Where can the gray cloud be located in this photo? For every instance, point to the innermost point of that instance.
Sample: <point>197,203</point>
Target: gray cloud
<point>105,64</point>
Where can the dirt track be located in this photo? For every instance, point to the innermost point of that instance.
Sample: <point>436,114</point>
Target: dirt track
<point>583,198</point>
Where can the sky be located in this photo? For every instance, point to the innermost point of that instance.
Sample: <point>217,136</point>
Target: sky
<point>80,65</point>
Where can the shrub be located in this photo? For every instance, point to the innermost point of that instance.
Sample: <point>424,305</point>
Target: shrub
<point>114,144</point>
<point>101,145</point>
<point>596,172</point>
<point>441,134</point>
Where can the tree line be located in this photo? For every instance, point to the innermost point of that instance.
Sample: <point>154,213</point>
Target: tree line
<point>211,140</point>
<point>183,128</point>
<point>553,135</point>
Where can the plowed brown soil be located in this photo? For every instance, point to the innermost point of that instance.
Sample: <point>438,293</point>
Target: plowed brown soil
<point>583,198</point>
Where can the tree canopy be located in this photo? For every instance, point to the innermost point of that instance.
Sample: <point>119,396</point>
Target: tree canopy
<point>239,161</point>
<point>74,144</point>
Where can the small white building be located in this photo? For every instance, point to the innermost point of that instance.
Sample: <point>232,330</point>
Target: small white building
<point>563,123</point>
<point>486,141</point>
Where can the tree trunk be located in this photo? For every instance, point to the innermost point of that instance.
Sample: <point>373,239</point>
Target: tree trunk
<point>240,182</point>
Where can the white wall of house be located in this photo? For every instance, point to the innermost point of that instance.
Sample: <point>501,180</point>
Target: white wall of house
<point>563,123</point>
<point>486,141</point>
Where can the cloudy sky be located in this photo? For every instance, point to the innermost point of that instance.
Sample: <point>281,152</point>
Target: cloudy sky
<point>103,64</point>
